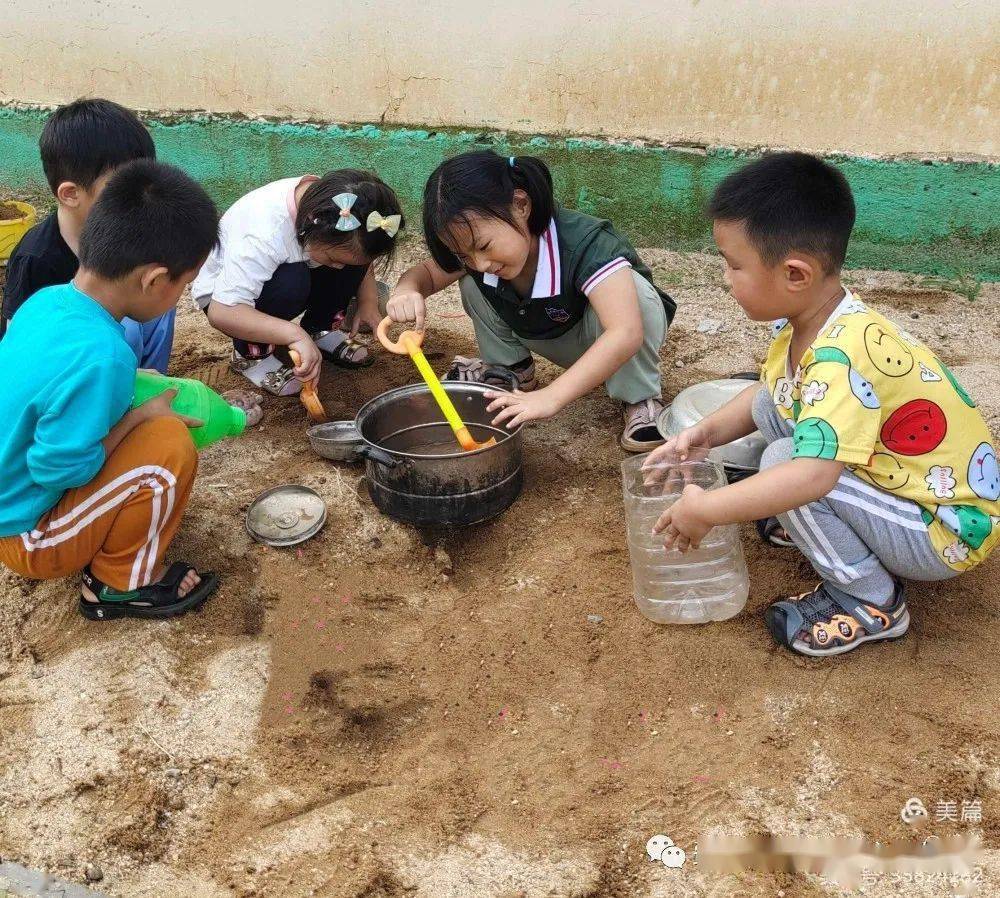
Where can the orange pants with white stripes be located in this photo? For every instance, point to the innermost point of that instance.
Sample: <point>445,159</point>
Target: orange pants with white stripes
<point>120,523</point>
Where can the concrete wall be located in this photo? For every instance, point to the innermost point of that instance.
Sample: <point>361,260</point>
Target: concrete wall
<point>859,76</point>
<point>937,218</point>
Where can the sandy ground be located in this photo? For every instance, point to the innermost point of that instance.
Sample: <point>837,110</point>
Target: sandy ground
<point>388,712</point>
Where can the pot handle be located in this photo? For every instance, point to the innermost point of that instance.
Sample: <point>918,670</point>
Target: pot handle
<point>505,374</point>
<point>373,453</point>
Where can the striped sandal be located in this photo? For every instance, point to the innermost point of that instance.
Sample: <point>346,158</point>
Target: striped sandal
<point>340,348</point>
<point>772,533</point>
<point>824,622</point>
<point>641,433</point>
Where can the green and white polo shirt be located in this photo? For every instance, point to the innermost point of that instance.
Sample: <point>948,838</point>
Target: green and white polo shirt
<point>576,253</point>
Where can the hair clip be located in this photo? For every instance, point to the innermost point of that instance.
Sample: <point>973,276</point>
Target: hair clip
<point>512,161</point>
<point>344,202</point>
<point>390,225</point>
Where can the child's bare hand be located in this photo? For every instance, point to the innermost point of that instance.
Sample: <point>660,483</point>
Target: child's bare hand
<point>405,306</point>
<point>364,320</point>
<point>680,447</point>
<point>159,407</point>
<point>519,408</point>
<point>310,359</point>
<point>683,525</point>
<point>666,463</point>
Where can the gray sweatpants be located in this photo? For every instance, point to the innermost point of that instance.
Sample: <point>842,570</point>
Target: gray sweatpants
<point>637,380</point>
<point>858,537</point>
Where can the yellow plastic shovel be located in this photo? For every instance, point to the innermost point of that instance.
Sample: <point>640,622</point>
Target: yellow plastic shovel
<point>409,343</point>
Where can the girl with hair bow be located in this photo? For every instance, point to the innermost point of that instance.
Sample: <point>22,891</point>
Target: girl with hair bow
<point>300,246</point>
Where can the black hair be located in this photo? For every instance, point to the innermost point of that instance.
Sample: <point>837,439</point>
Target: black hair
<point>149,213</point>
<point>482,184</point>
<point>317,216</point>
<point>86,138</point>
<point>788,202</point>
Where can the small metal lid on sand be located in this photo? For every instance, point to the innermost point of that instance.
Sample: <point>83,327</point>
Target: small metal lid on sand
<point>286,515</point>
<point>699,401</point>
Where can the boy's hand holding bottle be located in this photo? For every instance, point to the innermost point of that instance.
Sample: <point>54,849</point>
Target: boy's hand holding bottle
<point>159,407</point>
<point>684,524</point>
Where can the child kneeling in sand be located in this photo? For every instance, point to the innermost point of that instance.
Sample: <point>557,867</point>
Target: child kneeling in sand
<point>538,278</point>
<point>89,484</point>
<point>306,247</point>
<point>855,412</point>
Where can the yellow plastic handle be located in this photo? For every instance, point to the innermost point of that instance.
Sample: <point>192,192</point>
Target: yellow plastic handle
<point>437,391</point>
<point>409,344</point>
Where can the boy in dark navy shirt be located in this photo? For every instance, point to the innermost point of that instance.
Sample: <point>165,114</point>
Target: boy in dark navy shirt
<point>81,145</point>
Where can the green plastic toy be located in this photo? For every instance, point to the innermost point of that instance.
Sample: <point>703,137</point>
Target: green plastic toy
<point>197,401</point>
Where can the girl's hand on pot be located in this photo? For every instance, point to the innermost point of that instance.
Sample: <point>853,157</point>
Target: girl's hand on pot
<point>519,408</point>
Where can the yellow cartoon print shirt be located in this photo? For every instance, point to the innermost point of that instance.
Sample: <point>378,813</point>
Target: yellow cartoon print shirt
<point>868,394</point>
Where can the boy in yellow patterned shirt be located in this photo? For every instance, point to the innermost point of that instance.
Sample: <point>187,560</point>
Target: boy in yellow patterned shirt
<point>878,464</point>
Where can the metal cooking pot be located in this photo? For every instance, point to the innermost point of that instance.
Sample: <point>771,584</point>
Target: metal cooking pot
<point>415,470</point>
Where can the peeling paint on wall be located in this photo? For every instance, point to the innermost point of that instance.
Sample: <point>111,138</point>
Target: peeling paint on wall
<point>931,217</point>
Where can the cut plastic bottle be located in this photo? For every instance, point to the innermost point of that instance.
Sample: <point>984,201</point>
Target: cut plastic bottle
<point>709,583</point>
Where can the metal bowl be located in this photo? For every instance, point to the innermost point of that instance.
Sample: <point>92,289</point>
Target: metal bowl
<point>338,440</point>
<point>699,401</point>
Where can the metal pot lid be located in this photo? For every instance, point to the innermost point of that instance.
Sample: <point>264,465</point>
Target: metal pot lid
<point>286,515</point>
<point>699,401</point>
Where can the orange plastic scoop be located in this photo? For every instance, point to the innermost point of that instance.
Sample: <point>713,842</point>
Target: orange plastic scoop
<point>409,343</point>
<point>308,396</point>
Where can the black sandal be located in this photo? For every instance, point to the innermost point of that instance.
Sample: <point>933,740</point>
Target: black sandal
<point>341,349</point>
<point>772,533</point>
<point>156,600</point>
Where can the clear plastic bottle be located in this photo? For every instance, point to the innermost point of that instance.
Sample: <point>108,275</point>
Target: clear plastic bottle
<point>705,584</point>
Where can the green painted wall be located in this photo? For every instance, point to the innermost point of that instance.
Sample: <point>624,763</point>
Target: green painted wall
<point>940,218</point>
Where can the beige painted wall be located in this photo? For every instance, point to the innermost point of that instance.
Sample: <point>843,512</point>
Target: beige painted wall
<point>862,76</point>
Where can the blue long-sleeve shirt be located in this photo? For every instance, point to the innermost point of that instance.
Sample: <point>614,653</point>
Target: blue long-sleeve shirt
<point>67,376</point>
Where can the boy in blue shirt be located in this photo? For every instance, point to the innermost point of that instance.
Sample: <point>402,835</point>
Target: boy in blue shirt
<point>81,145</point>
<point>88,483</point>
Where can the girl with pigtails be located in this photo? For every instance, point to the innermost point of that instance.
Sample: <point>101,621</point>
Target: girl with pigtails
<point>537,278</point>
<point>299,247</point>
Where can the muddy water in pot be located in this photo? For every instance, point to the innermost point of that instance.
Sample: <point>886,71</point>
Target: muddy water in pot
<point>437,439</point>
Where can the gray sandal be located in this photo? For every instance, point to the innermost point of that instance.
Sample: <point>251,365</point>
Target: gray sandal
<point>476,371</point>
<point>826,622</point>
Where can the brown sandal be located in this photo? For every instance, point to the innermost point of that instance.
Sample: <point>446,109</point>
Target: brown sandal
<point>476,371</point>
<point>641,433</point>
